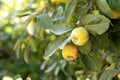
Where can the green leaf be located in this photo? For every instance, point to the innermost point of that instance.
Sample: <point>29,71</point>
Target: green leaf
<point>17,44</point>
<point>65,42</point>
<point>63,63</point>
<point>18,51</point>
<point>86,48</point>
<point>108,75</point>
<point>57,69</point>
<point>114,4</point>
<point>43,65</point>
<point>69,12</point>
<point>111,58</point>
<point>82,12</point>
<point>60,28</point>
<point>18,76</point>
<point>53,46</point>
<point>51,67</point>
<point>33,45</point>
<point>96,24</point>
<point>40,34</point>
<point>102,42</point>
<point>91,62</point>
<point>58,14</point>
<point>24,14</point>
<point>113,48</point>
<point>17,47</point>
<point>45,21</point>
<point>59,11</point>
<point>111,67</point>
<point>105,8</point>
<point>31,28</point>
<point>26,56</point>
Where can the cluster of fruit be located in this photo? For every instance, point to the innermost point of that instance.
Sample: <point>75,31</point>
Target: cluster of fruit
<point>79,37</point>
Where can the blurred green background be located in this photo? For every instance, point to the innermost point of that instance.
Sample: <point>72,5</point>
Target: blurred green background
<point>15,15</point>
<point>22,47</point>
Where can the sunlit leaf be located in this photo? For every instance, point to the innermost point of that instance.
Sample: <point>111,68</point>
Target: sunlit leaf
<point>57,69</point>
<point>82,12</point>
<point>43,65</point>
<point>60,28</point>
<point>63,64</point>
<point>69,11</point>
<point>26,56</point>
<point>108,75</point>
<point>31,28</point>
<point>33,45</point>
<point>111,67</point>
<point>65,42</point>
<point>51,67</point>
<point>105,8</point>
<point>53,46</point>
<point>59,11</point>
<point>17,44</point>
<point>17,48</point>
<point>24,14</point>
<point>45,21</point>
<point>96,24</point>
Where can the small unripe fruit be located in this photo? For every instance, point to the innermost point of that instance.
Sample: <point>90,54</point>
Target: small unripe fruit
<point>79,36</point>
<point>95,12</point>
<point>70,52</point>
<point>118,75</point>
<point>8,29</point>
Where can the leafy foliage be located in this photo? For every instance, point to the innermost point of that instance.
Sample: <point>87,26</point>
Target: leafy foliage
<point>32,38</point>
<point>114,4</point>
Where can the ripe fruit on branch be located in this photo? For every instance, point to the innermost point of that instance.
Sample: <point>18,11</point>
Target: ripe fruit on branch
<point>79,36</point>
<point>70,52</point>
